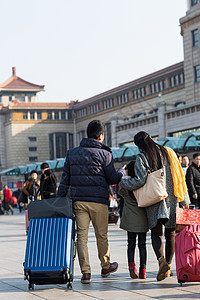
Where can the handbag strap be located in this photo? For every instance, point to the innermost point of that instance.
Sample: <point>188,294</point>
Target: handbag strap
<point>150,170</point>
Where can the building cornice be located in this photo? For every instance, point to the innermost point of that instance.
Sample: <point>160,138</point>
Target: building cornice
<point>131,102</point>
<point>131,85</point>
<point>6,123</point>
<point>17,89</point>
<point>188,22</point>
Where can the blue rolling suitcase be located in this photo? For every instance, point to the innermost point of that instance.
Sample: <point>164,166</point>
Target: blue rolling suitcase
<point>50,251</point>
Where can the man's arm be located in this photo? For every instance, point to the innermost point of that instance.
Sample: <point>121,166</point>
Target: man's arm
<point>112,176</point>
<point>190,182</point>
<point>140,176</point>
<point>41,186</point>
<point>65,179</point>
<point>26,188</point>
<point>10,193</point>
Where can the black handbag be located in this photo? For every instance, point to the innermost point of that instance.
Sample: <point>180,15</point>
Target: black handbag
<point>22,197</point>
<point>52,207</point>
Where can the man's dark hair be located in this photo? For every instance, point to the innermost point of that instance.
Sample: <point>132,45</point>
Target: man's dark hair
<point>47,172</point>
<point>44,166</point>
<point>51,175</point>
<point>33,171</point>
<point>196,154</point>
<point>95,129</point>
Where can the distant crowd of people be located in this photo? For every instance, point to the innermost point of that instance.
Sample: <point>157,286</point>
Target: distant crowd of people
<point>33,189</point>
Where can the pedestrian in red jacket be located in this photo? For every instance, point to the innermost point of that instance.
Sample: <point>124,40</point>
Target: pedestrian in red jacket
<point>7,195</point>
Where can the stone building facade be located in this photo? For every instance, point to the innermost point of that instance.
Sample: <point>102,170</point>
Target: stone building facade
<point>164,103</point>
<point>27,137</point>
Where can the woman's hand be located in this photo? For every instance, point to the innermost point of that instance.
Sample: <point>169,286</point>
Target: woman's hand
<point>186,206</point>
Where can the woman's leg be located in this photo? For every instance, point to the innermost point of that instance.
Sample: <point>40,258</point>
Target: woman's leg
<point>170,244</point>
<point>156,237</point>
<point>131,254</point>
<point>169,248</point>
<point>142,249</point>
<point>143,254</point>
<point>131,246</point>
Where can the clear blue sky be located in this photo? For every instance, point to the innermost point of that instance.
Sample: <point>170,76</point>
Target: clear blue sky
<point>80,48</point>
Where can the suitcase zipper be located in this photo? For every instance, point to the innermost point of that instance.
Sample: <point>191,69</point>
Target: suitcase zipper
<point>180,253</point>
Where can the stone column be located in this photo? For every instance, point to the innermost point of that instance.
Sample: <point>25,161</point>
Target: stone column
<point>161,105</point>
<point>114,123</point>
<point>2,143</point>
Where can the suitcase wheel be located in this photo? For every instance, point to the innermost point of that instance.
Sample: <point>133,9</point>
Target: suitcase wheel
<point>66,276</point>
<point>69,285</point>
<point>31,286</point>
<point>181,282</point>
<point>26,276</point>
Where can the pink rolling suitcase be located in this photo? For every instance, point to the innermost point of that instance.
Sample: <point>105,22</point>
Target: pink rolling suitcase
<point>187,253</point>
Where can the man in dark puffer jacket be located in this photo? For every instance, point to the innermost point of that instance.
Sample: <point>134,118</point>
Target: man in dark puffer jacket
<point>193,180</point>
<point>88,171</point>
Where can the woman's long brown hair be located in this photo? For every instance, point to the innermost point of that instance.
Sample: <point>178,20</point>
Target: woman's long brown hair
<point>155,154</point>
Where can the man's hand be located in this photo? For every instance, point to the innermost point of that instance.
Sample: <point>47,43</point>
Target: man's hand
<point>195,196</point>
<point>122,171</point>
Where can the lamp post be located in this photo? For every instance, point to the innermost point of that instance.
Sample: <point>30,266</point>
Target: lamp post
<point>114,121</point>
<point>161,105</point>
<point>74,121</point>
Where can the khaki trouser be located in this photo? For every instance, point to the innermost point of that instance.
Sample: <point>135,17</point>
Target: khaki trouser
<point>98,214</point>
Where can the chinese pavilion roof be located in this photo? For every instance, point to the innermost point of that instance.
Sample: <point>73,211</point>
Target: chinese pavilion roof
<point>15,83</point>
